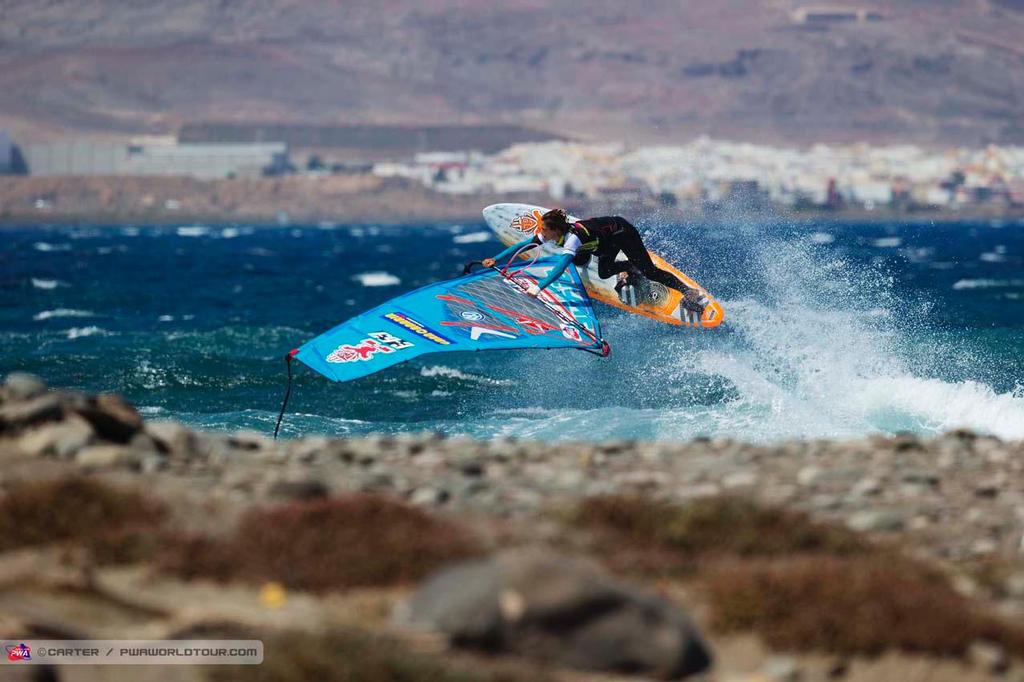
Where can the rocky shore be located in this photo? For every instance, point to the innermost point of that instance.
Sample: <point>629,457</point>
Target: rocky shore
<point>605,528</point>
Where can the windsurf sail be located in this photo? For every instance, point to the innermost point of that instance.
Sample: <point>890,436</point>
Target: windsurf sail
<point>485,310</point>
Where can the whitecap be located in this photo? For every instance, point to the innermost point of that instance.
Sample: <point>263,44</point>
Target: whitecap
<point>229,233</point>
<point>193,231</point>
<point>887,242</point>
<point>992,257</point>
<point>165,318</point>
<point>821,238</point>
<point>47,283</point>
<point>452,373</point>
<point>61,312</point>
<point>82,332</point>
<point>377,279</point>
<point>939,406</point>
<point>46,247</point>
<point>472,238</point>
<point>987,283</point>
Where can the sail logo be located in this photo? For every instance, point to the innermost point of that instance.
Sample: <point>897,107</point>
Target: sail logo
<point>361,352</point>
<point>526,223</point>
<point>415,327</point>
<point>391,340</point>
<point>19,652</point>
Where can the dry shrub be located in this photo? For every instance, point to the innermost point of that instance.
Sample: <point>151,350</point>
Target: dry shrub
<point>660,536</point>
<point>857,605</point>
<point>356,541</point>
<point>346,656</point>
<point>117,525</point>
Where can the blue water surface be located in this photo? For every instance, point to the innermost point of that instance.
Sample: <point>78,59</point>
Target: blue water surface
<point>832,330</point>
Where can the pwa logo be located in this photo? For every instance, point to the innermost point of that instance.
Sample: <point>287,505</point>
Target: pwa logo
<point>19,652</point>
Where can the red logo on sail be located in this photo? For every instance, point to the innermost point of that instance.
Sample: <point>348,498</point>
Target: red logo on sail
<point>362,352</point>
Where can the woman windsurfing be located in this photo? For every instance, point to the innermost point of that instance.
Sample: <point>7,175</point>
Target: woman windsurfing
<point>604,237</point>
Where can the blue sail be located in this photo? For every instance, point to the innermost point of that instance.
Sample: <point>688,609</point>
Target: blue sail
<point>486,310</point>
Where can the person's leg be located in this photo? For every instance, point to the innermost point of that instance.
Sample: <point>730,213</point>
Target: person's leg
<point>632,245</point>
<point>607,266</point>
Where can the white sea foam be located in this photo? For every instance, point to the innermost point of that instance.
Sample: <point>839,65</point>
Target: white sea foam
<point>472,238</point>
<point>377,279</point>
<point>193,231</point>
<point>46,283</point>
<point>988,283</point>
<point>452,373</point>
<point>61,312</point>
<point>887,242</point>
<point>47,247</point>
<point>821,238</point>
<point>81,332</point>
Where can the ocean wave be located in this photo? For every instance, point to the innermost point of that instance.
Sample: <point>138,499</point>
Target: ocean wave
<point>987,283</point>
<point>47,283</point>
<point>193,231</point>
<point>62,312</point>
<point>938,406</point>
<point>887,242</point>
<point>82,332</point>
<point>472,238</point>
<point>376,279</point>
<point>452,373</point>
<point>47,247</point>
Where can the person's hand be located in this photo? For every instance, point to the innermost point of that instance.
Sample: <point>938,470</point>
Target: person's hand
<point>488,262</point>
<point>533,290</point>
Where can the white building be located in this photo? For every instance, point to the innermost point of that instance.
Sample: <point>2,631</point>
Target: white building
<point>156,157</point>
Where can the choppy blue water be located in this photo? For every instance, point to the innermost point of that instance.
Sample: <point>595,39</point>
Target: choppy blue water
<point>831,330</point>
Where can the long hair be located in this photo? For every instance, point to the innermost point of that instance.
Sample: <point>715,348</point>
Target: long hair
<point>556,220</point>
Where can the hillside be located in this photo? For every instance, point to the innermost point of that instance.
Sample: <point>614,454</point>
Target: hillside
<point>929,71</point>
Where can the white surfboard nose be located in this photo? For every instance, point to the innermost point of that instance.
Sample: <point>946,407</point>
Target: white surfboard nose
<point>491,213</point>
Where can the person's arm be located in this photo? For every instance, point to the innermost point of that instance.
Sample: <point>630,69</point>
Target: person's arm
<point>515,247</point>
<point>556,271</point>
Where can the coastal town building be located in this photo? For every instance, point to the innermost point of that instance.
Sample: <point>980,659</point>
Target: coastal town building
<point>710,173</point>
<point>156,156</point>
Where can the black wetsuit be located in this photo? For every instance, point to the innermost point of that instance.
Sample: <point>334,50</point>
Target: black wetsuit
<point>605,237</point>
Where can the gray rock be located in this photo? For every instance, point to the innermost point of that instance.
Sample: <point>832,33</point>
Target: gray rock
<point>1015,585</point>
<point>868,487</point>
<point>877,520</point>
<point>740,479</point>
<point>556,609</point>
<point>781,669</point>
<point>23,386</point>
<point>17,416</point>
<point>248,441</point>
<point>304,489</point>
<point>989,657</point>
<point>113,419</point>
<point>309,449</point>
<point>62,439</point>
<point>429,496</point>
<point>172,438</point>
<point>103,457</point>
<point>924,477</point>
<point>462,602</point>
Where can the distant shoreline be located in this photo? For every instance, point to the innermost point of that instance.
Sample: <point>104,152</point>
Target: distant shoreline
<point>300,200</point>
